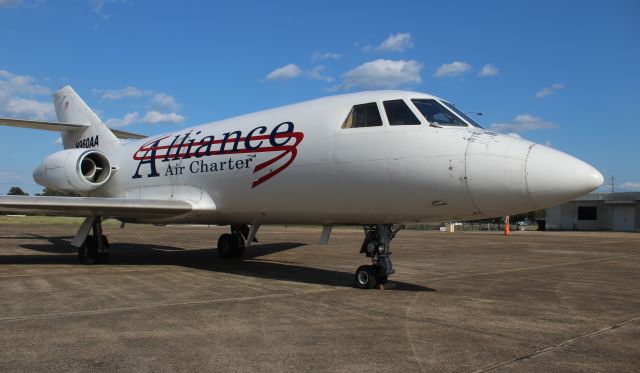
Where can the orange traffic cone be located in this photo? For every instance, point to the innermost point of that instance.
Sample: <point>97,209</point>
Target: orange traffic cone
<point>506,226</point>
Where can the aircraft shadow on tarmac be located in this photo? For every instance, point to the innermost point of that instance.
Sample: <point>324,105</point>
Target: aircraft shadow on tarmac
<point>204,259</point>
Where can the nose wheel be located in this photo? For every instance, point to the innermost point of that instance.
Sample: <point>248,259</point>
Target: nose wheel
<point>376,246</point>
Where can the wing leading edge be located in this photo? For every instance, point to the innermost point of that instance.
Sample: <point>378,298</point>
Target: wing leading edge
<point>96,206</point>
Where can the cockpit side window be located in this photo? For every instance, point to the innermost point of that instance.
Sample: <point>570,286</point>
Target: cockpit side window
<point>462,114</point>
<point>365,115</point>
<point>437,114</point>
<point>399,113</point>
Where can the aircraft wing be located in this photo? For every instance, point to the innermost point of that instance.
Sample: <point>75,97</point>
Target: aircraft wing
<point>96,206</point>
<point>56,126</point>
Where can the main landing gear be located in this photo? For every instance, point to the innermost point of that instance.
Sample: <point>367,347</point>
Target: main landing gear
<point>232,245</point>
<point>376,246</point>
<point>95,249</point>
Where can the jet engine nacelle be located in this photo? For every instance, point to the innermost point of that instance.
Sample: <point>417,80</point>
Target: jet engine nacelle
<point>74,170</point>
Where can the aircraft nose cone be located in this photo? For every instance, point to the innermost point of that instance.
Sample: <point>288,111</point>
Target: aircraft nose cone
<point>554,177</point>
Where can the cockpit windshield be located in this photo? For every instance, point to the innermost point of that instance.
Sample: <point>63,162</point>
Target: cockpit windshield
<point>441,113</point>
<point>462,114</point>
<point>437,114</point>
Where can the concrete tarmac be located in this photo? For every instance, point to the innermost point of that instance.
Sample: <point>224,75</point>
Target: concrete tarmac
<point>534,301</point>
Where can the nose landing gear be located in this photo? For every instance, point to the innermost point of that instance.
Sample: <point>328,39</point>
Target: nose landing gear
<point>376,246</point>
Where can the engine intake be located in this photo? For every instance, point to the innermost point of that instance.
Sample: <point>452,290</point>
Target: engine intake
<point>74,170</point>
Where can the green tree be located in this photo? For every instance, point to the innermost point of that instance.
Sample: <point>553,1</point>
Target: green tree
<point>17,191</point>
<point>54,193</point>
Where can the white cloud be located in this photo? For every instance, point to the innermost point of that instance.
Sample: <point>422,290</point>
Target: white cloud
<point>98,6</point>
<point>317,73</point>
<point>165,101</point>
<point>117,94</point>
<point>154,117</point>
<point>382,74</point>
<point>128,119</point>
<point>6,177</point>
<point>20,85</point>
<point>522,123</point>
<point>289,71</point>
<point>151,117</point>
<point>544,92</point>
<point>9,2</point>
<point>158,99</point>
<point>630,186</point>
<point>18,97</point>
<point>157,102</point>
<point>394,43</point>
<point>319,56</point>
<point>513,134</point>
<point>28,108</point>
<point>455,68</point>
<point>488,70</point>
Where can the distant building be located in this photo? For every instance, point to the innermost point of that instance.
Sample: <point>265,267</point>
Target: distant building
<point>597,212</point>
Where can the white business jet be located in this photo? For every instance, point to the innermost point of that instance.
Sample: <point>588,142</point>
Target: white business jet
<point>373,159</point>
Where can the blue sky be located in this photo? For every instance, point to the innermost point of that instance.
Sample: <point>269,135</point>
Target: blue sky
<point>563,73</point>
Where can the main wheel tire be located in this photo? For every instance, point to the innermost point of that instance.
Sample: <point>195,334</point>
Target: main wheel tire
<point>103,254</point>
<point>381,274</point>
<point>366,277</point>
<point>238,251</point>
<point>88,252</point>
<point>226,246</point>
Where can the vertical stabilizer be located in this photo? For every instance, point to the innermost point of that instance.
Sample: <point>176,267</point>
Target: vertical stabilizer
<point>70,108</point>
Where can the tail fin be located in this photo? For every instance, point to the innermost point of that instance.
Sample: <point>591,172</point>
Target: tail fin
<point>70,108</point>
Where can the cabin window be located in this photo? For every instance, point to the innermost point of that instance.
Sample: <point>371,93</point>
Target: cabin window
<point>587,213</point>
<point>437,114</point>
<point>399,113</point>
<point>365,115</point>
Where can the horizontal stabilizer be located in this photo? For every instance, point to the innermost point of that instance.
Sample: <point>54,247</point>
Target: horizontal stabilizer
<point>96,206</point>
<point>59,127</point>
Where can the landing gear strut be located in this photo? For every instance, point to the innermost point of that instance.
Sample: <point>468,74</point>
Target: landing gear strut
<point>232,245</point>
<point>95,249</point>
<point>376,246</point>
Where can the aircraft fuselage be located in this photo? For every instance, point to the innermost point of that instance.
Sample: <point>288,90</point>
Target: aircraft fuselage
<point>296,164</point>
